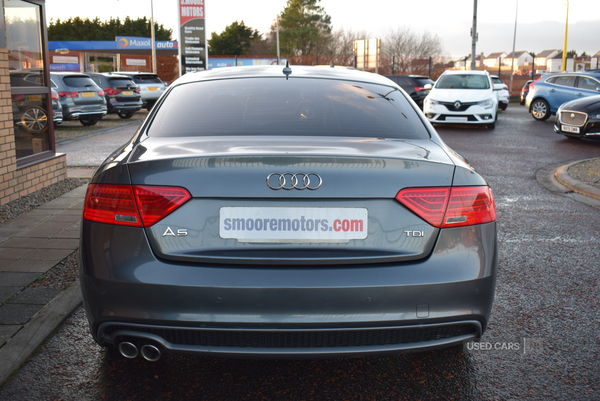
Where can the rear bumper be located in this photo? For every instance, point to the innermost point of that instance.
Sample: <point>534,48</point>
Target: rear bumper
<point>287,311</point>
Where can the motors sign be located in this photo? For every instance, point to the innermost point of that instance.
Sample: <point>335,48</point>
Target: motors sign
<point>192,51</point>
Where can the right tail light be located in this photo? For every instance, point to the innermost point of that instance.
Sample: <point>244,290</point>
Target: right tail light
<point>447,207</point>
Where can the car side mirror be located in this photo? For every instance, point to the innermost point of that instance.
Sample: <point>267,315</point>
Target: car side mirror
<point>430,86</point>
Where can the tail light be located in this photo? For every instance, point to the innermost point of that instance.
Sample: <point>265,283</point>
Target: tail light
<point>137,90</point>
<point>68,94</point>
<point>54,95</point>
<point>135,206</point>
<point>100,92</point>
<point>112,91</point>
<point>447,207</point>
<point>531,84</point>
<point>419,88</point>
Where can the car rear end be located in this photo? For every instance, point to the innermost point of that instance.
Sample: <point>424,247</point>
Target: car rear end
<point>80,97</point>
<point>56,108</point>
<point>502,89</point>
<point>122,95</point>
<point>246,232</point>
<point>151,87</point>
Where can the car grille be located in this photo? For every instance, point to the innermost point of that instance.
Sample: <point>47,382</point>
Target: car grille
<point>573,118</point>
<point>463,106</point>
<point>301,338</point>
<point>442,117</point>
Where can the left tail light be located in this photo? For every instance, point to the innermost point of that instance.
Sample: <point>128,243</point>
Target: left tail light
<point>54,95</point>
<point>135,206</point>
<point>448,207</point>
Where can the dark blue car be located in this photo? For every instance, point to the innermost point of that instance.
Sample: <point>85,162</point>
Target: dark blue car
<point>549,92</point>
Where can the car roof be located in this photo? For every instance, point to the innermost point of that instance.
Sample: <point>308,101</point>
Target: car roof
<point>276,71</point>
<point>70,74</point>
<point>466,72</point>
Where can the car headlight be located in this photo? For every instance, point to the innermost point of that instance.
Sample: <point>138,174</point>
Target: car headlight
<point>597,117</point>
<point>432,102</point>
<point>488,104</point>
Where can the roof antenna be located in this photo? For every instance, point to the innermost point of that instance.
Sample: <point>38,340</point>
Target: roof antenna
<point>287,70</point>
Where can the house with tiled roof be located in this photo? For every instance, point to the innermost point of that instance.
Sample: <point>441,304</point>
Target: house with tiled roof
<point>595,61</point>
<point>521,58</point>
<point>494,59</point>
<point>554,64</point>
<point>541,58</point>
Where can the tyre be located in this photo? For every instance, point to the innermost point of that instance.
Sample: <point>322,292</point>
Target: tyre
<point>88,122</point>
<point>35,120</point>
<point>503,106</point>
<point>125,114</point>
<point>540,109</point>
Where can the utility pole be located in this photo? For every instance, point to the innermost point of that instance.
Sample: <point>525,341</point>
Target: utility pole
<point>278,56</point>
<point>512,65</point>
<point>153,40</point>
<point>564,60</point>
<point>474,36</point>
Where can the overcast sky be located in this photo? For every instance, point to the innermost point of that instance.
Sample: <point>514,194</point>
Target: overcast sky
<point>541,23</point>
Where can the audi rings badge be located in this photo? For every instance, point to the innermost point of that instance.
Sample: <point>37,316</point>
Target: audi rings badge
<point>289,181</point>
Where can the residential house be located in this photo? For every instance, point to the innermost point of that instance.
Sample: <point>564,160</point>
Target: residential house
<point>595,61</point>
<point>494,59</point>
<point>554,64</point>
<point>521,59</point>
<point>541,59</point>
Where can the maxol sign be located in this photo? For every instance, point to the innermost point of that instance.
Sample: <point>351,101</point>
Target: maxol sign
<point>134,42</point>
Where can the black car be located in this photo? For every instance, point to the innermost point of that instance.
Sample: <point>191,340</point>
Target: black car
<point>121,93</point>
<point>579,118</point>
<point>294,212</point>
<point>525,91</point>
<point>414,85</point>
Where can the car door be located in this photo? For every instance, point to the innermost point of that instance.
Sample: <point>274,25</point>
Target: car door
<point>586,86</point>
<point>561,91</point>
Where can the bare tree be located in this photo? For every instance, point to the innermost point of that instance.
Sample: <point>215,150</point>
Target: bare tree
<point>339,50</point>
<point>410,51</point>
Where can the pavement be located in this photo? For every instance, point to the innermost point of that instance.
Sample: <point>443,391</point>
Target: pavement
<point>36,241</point>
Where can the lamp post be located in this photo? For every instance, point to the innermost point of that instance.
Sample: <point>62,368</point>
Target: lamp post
<point>564,60</point>
<point>152,36</point>
<point>512,64</point>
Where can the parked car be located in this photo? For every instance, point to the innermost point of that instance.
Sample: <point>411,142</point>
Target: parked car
<point>122,94</point>
<point>29,110</point>
<point>414,85</point>
<point>547,93</point>
<point>57,115</point>
<point>525,91</point>
<point>464,97</point>
<point>284,213</point>
<point>151,87</point>
<point>502,91</point>
<point>80,97</point>
<point>579,118</point>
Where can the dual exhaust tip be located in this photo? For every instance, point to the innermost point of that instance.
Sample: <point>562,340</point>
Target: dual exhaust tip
<point>149,352</point>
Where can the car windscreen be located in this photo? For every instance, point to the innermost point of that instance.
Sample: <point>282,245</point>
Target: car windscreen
<point>463,81</point>
<point>276,106</point>
<point>78,81</point>
<point>146,79</point>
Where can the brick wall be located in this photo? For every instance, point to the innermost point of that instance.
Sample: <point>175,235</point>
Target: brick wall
<point>17,182</point>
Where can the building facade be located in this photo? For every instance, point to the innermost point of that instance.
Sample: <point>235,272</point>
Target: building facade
<point>28,158</point>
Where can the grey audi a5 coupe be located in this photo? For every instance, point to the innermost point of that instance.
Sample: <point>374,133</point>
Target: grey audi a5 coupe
<point>298,213</point>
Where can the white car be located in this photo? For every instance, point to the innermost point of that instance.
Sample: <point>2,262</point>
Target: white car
<point>462,97</point>
<point>502,90</point>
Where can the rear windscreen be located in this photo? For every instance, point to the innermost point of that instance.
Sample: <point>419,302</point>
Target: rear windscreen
<point>120,82</point>
<point>76,81</point>
<point>276,106</point>
<point>147,79</point>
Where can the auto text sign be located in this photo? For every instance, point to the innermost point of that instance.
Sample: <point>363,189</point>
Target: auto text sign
<point>293,224</point>
<point>192,49</point>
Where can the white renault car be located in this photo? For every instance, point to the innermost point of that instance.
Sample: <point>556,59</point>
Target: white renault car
<point>462,97</point>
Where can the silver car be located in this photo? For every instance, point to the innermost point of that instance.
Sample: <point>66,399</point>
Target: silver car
<point>151,86</point>
<point>296,213</point>
<point>80,97</point>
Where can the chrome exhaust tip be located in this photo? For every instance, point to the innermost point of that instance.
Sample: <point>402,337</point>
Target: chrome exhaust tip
<point>128,350</point>
<point>151,353</point>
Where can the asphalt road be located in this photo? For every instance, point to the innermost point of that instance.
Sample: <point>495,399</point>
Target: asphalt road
<point>547,298</point>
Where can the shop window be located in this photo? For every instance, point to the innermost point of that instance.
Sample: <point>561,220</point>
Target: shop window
<point>31,97</point>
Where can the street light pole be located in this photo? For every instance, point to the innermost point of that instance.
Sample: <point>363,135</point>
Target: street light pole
<point>512,64</point>
<point>278,55</point>
<point>564,60</point>
<point>152,37</point>
<point>474,35</point>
